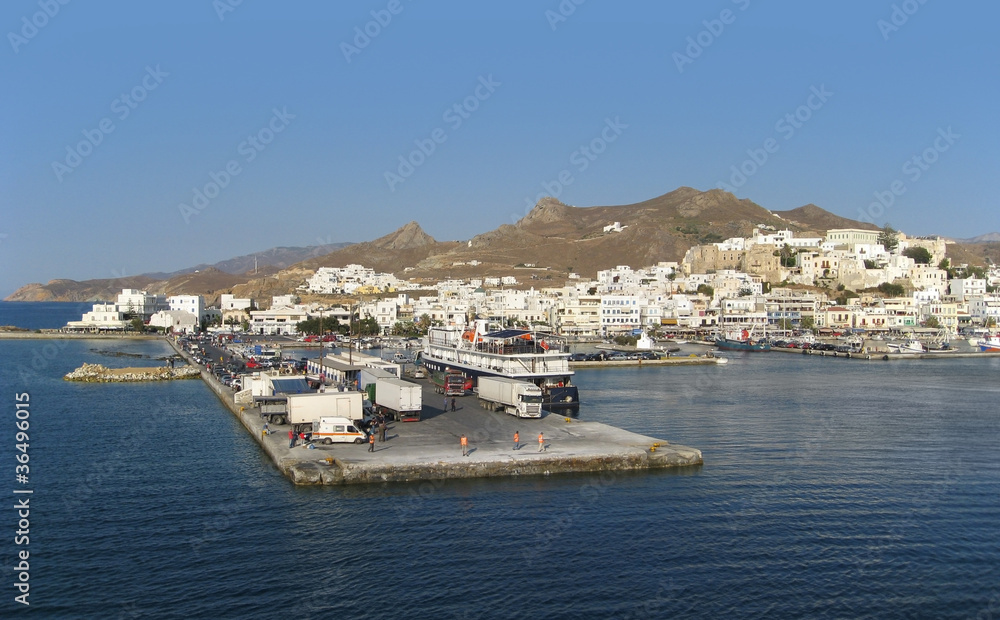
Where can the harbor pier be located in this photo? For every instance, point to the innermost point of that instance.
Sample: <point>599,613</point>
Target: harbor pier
<point>430,449</point>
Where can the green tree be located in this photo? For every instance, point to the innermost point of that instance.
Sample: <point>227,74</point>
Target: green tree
<point>706,290</point>
<point>932,321</point>
<point>245,325</point>
<point>920,255</point>
<point>136,324</point>
<point>944,265</point>
<point>807,323</point>
<point>891,290</point>
<point>870,264</point>
<point>788,256</point>
<point>888,238</point>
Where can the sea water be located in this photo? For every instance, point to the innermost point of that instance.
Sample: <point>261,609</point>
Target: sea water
<point>831,488</point>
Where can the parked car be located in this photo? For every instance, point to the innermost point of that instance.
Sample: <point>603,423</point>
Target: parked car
<point>578,357</point>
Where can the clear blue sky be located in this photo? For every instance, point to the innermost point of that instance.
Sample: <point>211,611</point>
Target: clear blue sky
<point>171,93</point>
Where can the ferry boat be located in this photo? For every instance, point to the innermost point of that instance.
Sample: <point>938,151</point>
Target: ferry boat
<point>539,358</point>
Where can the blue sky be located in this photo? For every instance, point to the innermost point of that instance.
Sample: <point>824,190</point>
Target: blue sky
<point>154,136</point>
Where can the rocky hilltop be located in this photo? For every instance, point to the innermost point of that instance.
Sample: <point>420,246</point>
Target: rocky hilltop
<point>553,240</point>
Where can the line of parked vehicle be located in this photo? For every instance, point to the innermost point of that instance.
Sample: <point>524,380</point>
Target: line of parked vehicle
<point>611,356</point>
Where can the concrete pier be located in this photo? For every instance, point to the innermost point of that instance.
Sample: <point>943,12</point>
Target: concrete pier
<point>431,449</point>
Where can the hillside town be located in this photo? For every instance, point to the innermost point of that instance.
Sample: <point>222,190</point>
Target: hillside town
<point>849,279</point>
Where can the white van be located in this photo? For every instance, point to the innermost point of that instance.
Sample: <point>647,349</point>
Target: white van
<point>331,429</point>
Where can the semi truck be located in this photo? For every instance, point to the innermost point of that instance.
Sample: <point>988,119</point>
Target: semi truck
<point>518,398</point>
<point>400,399</point>
<point>449,383</point>
<point>303,410</point>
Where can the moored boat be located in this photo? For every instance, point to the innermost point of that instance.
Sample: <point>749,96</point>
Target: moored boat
<point>541,358</point>
<point>744,342</point>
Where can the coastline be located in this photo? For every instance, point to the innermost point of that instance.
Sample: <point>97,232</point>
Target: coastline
<point>430,451</point>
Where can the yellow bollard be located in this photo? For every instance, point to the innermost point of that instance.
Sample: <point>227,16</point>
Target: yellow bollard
<point>568,420</point>
<point>656,445</point>
<point>653,448</point>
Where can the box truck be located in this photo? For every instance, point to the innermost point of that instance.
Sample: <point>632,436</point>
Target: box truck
<point>400,399</point>
<point>519,398</point>
<point>305,409</point>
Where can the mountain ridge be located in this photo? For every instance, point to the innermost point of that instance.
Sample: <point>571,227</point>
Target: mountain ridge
<point>557,238</point>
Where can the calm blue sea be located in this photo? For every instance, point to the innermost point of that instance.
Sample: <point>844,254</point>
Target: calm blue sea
<point>42,314</point>
<point>831,489</point>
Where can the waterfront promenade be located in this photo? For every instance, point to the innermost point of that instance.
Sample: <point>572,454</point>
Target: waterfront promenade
<point>430,449</point>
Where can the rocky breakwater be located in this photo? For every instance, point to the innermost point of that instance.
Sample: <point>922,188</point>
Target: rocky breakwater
<point>95,373</point>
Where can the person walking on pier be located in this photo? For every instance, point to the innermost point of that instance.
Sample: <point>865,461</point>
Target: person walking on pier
<point>291,439</point>
<point>381,431</point>
<point>452,403</point>
<point>465,446</point>
<point>445,408</point>
<point>517,440</point>
<point>371,442</point>
<point>541,442</point>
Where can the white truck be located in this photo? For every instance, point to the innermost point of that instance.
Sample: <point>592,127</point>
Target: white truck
<point>401,399</point>
<point>518,398</point>
<point>329,429</point>
<point>303,411</point>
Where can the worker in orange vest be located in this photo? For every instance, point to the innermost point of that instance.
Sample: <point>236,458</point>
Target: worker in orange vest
<point>541,443</point>
<point>371,441</point>
<point>465,446</point>
<point>517,440</point>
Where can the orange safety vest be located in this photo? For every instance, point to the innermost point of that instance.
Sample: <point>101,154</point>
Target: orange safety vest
<point>371,438</point>
<point>464,440</point>
<point>517,437</point>
<point>540,438</point>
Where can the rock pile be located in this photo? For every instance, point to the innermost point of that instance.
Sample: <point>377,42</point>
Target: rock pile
<point>95,373</point>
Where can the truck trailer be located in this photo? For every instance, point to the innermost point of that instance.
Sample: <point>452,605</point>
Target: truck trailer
<point>400,399</point>
<point>305,410</point>
<point>518,398</point>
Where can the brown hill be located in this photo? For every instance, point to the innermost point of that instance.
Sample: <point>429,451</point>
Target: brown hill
<point>554,237</point>
<point>815,219</point>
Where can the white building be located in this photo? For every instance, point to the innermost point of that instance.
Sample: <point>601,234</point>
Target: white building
<point>102,317</point>
<point>228,303</point>
<point>282,320</point>
<point>176,321</point>
<point>192,304</point>
<point>964,288</point>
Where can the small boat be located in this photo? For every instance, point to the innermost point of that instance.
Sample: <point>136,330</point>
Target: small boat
<point>910,346</point>
<point>989,345</point>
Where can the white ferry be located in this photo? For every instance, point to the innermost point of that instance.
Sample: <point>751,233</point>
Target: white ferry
<point>540,358</point>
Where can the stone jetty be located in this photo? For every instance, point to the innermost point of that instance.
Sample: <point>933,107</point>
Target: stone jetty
<point>96,373</point>
<point>430,449</point>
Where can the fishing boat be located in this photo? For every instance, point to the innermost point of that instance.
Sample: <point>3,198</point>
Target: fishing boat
<point>989,345</point>
<point>481,349</point>
<point>742,342</point>
<point>909,346</point>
